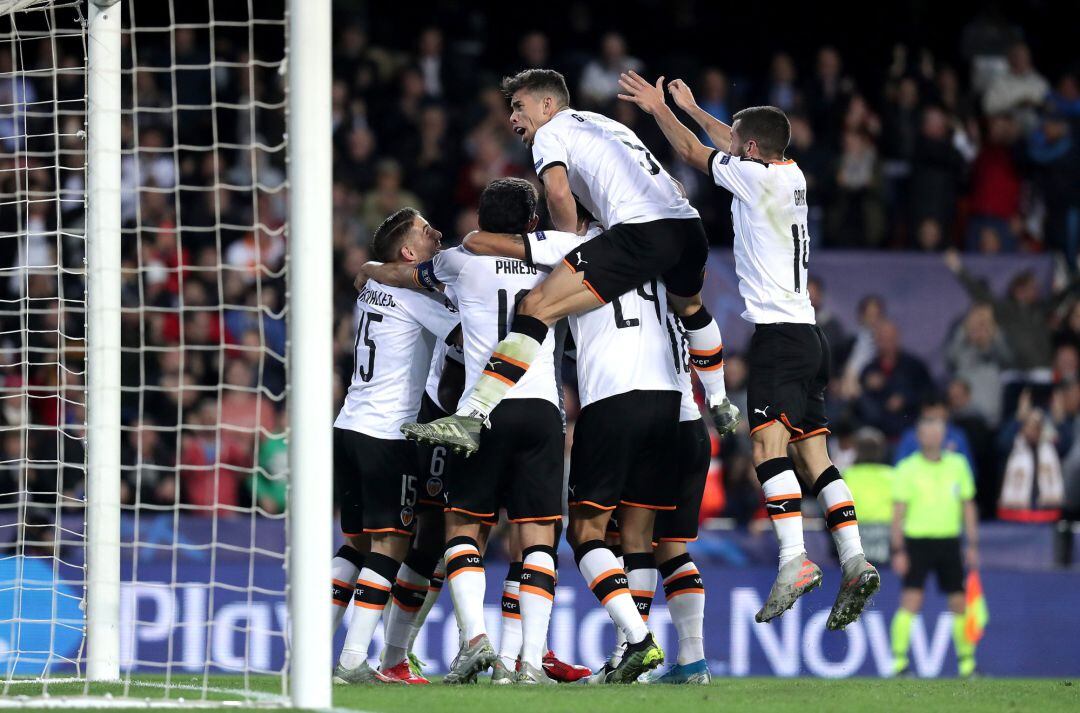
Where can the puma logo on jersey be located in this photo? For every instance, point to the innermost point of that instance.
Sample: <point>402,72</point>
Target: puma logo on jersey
<point>579,260</point>
<point>762,411</point>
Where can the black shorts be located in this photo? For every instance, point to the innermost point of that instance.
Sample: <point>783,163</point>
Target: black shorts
<point>377,478</point>
<point>693,454</point>
<point>519,466</point>
<point>628,255</point>
<point>938,555</point>
<point>788,372</point>
<point>622,451</point>
<point>432,463</point>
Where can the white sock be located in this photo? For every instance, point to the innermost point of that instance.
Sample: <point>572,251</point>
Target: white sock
<point>465,576</point>
<point>372,594</point>
<point>839,507</point>
<point>620,637</point>
<point>707,353</point>
<point>407,599</point>
<point>783,500</point>
<point>343,573</point>
<point>641,576</point>
<point>433,591</point>
<point>537,597</point>
<point>510,630</point>
<point>685,595</point>
<point>508,363</point>
<point>609,585</point>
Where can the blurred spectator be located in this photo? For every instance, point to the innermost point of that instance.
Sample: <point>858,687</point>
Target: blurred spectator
<point>937,172</point>
<point>533,52</point>
<point>955,441</point>
<point>995,185</point>
<point>870,479</point>
<point>1053,150</point>
<point>1033,489</point>
<point>980,438</point>
<point>600,80</point>
<point>269,485</point>
<point>871,314</point>
<point>781,90</point>
<point>713,98</point>
<point>826,96</point>
<point>893,384</point>
<point>857,218</point>
<point>388,196</point>
<point>1019,90</point>
<point>1021,314</point>
<point>978,351</point>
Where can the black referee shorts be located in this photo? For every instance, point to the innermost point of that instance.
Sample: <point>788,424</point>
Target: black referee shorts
<point>940,555</point>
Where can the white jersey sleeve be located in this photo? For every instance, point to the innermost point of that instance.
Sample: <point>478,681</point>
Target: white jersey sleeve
<point>739,176</point>
<point>435,313</point>
<point>548,150</point>
<point>688,408</point>
<point>547,248</point>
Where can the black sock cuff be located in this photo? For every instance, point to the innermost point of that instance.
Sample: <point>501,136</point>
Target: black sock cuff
<point>668,568</point>
<point>348,552</point>
<point>529,326</point>
<point>538,548</point>
<point>461,540</point>
<point>772,468</point>
<point>380,564</point>
<point>585,548</point>
<point>639,560</point>
<point>830,475</point>
<point>513,572</point>
<point>698,320</point>
<point>422,563</point>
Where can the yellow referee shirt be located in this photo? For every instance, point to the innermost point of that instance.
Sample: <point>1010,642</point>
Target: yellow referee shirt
<point>934,492</point>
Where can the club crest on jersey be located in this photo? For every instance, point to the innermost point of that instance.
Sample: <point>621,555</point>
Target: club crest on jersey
<point>434,486</point>
<point>406,516</point>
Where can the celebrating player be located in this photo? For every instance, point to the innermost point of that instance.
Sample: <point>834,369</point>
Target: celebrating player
<point>789,355</point>
<point>395,336</point>
<point>521,466</point>
<point>652,232</point>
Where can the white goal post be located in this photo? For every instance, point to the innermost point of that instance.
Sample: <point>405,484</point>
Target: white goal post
<point>206,260</point>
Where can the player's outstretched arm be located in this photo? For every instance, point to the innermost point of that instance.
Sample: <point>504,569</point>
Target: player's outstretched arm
<point>560,199</point>
<point>718,131</point>
<point>393,274</point>
<point>650,99</point>
<point>481,242</point>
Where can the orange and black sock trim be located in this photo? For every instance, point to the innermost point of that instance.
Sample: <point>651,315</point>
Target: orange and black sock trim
<point>468,559</point>
<point>640,560</point>
<point>409,597</point>
<point>507,369</point>
<point>372,595</point>
<point>688,581</point>
<point>840,514</point>
<point>606,584</point>
<point>435,583</point>
<point>511,607</point>
<point>341,593</point>
<point>538,580</point>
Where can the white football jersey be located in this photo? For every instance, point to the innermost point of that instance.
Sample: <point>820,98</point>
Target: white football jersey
<point>396,332</point>
<point>772,249</point>
<point>623,345</point>
<point>487,290</point>
<point>610,170</point>
<point>688,408</point>
<point>441,353</point>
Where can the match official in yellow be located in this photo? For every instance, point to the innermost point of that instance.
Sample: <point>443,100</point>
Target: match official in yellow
<point>933,492</point>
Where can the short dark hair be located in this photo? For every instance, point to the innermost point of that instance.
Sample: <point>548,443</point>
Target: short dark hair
<point>766,125</point>
<point>538,80</point>
<point>386,243</point>
<point>507,205</point>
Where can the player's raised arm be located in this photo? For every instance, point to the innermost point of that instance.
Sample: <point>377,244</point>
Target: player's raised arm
<point>650,99</point>
<point>718,131</point>
<point>481,242</point>
<point>393,274</point>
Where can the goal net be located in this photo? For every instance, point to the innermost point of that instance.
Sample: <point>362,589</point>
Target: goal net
<point>202,608</point>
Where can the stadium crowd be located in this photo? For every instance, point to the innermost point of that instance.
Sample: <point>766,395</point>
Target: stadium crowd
<point>978,156</point>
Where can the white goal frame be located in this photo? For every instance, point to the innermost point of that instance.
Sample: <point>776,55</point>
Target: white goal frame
<point>308,61</point>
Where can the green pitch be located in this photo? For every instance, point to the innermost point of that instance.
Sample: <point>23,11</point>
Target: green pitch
<point>728,695</point>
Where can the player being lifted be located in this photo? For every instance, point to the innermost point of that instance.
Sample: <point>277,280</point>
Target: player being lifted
<point>652,231</point>
<point>788,358</point>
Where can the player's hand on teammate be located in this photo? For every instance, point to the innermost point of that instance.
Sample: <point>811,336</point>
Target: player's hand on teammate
<point>649,97</point>
<point>680,92</point>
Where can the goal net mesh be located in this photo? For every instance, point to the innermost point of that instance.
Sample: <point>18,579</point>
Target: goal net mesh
<point>204,434</point>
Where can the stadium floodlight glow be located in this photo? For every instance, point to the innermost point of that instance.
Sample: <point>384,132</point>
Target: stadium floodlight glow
<point>149,361</point>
